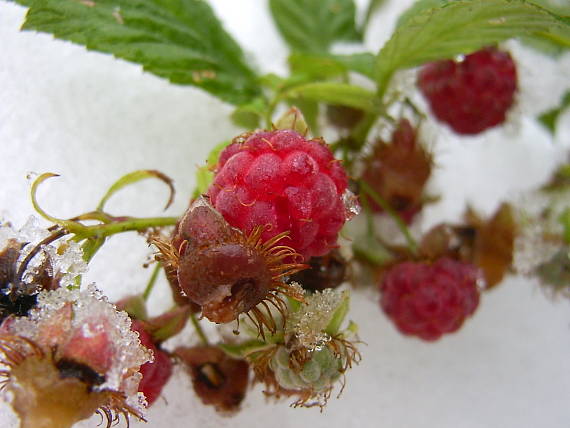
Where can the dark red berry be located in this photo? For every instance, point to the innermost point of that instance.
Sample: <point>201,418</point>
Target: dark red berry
<point>428,300</point>
<point>155,373</point>
<point>471,95</point>
<point>280,180</point>
<point>324,272</point>
<point>399,171</point>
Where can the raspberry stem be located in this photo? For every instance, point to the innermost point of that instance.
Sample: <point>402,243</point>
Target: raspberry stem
<point>412,244</point>
<point>151,282</point>
<point>199,329</point>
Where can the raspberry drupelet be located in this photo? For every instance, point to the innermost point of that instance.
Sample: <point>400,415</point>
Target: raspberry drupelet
<point>429,300</point>
<point>472,95</point>
<point>280,180</point>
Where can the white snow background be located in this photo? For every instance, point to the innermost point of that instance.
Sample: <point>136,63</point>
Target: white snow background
<point>92,118</point>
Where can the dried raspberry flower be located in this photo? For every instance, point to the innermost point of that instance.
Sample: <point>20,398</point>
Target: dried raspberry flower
<point>429,300</point>
<point>219,380</point>
<point>74,355</point>
<point>471,95</point>
<point>31,261</point>
<point>227,272</point>
<point>282,181</point>
<point>399,171</point>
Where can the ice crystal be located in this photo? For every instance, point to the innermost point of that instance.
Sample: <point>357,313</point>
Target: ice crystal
<point>50,324</point>
<point>308,324</point>
<point>64,255</point>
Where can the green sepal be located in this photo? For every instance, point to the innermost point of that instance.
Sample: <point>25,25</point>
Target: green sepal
<point>168,324</point>
<point>293,119</point>
<point>339,314</point>
<point>204,174</point>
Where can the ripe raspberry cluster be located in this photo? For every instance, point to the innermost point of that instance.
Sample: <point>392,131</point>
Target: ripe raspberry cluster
<point>282,180</point>
<point>472,95</point>
<point>429,300</point>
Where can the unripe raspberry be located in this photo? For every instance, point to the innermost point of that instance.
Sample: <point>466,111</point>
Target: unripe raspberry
<point>472,95</point>
<point>282,180</point>
<point>318,373</point>
<point>428,300</point>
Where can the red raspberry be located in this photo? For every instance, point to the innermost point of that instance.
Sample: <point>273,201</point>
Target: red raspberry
<point>156,373</point>
<point>282,180</point>
<point>474,94</point>
<point>428,300</point>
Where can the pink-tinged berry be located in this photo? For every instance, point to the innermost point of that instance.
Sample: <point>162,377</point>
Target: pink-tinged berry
<point>281,180</point>
<point>471,95</point>
<point>428,300</point>
<point>155,373</point>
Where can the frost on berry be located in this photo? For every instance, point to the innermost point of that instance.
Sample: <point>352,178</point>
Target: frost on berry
<point>313,354</point>
<point>399,171</point>
<point>471,95</point>
<point>285,183</point>
<point>218,380</point>
<point>72,356</point>
<point>429,300</point>
<point>226,271</point>
<point>155,374</point>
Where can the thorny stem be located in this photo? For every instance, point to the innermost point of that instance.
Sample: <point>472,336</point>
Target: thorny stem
<point>151,282</point>
<point>199,330</point>
<point>386,207</point>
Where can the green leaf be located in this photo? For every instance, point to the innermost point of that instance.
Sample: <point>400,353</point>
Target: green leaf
<point>461,27</point>
<point>336,93</point>
<point>419,7</point>
<point>549,118</point>
<point>326,66</point>
<point>249,115</point>
<point>135,177</point>
<point>313,25</point>
<point>180,40</point>
<point>339,314</point>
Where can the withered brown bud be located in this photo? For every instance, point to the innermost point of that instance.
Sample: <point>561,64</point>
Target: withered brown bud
<point>218,380</point>
<point>224,271</point>
<point>328,271</point>
<point>399,171</point>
